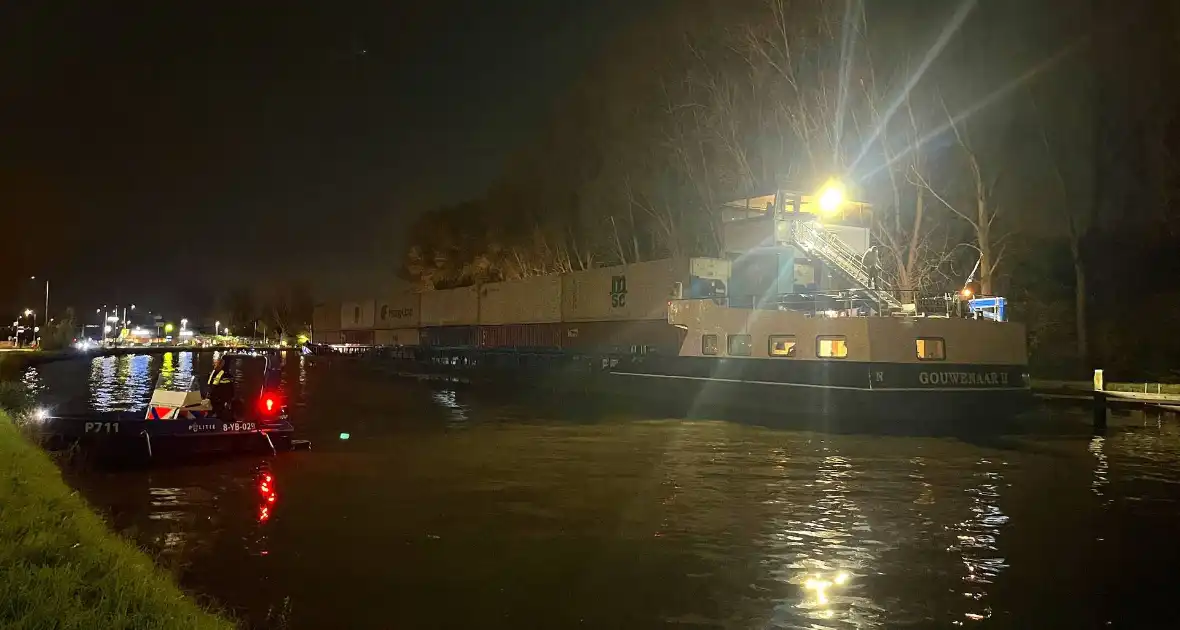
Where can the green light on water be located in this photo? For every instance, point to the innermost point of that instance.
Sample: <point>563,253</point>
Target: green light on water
<point>344,436</point>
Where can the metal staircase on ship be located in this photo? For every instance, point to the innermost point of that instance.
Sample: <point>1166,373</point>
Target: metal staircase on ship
<point>811,237</point>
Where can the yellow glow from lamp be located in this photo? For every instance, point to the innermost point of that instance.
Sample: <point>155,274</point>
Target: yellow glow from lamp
<point>966,293</point>
<point>831,197</point>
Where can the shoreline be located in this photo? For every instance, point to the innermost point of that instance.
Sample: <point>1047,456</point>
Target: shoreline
<point>61,566</point>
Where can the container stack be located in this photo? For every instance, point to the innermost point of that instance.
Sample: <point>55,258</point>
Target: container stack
<point>621,308</point>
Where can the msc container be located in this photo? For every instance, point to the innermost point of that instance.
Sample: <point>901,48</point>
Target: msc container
<point>356,315</point>
<point>529,301</point>
<point>359,337</point>
<point>631,337</point>
<point>401,310</point>
<point>628,292</point>
<point>539,336</point>
<point>450,307</point>
<point>450,336</point>
<point>397,337</point>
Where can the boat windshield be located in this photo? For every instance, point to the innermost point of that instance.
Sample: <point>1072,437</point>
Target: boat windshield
<point>175,383</point>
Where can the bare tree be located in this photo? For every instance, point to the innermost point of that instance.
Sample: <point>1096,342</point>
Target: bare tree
<point>980,211</point>
<point>1075,216</point>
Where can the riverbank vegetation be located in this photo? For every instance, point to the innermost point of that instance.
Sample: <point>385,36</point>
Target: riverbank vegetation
<point>60,567</point>
<point>989,132</point>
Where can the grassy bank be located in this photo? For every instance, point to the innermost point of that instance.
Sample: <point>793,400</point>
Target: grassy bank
<point>60,567</point>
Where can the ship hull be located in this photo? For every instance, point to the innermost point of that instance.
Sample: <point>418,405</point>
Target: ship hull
<point>868,394</point>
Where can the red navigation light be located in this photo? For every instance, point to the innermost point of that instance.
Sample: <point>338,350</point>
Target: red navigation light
<point>269,404</point>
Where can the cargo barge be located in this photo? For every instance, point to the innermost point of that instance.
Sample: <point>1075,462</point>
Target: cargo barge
<point>792,324</point>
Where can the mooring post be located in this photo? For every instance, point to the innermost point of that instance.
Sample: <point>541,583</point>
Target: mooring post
<point>1099,404</point>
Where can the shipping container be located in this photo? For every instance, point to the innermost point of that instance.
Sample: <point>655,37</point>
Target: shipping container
<point>325,316</point>
<point>397,337</point>
<point>359,337</point>
<point>400,310</point>
<point>357,315</point>
<point>628,292</point>
<point>627,337</point>
<point>450,336</point>
<point>450,307</point>
<point>529,301</point>
<point>641,290</point>
<point>327,336</point>
<point>536,336</point>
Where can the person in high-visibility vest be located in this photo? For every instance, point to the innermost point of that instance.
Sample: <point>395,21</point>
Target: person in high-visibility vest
<point>221,390</point>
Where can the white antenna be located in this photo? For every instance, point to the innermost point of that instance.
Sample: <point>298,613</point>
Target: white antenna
<point>976,268</point>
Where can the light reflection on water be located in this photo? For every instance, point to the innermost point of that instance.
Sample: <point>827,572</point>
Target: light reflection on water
<point>126,382</point>
<point>651,523</point>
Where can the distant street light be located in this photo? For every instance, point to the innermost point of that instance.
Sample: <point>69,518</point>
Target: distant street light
<point>168,328</point>
<point>183,324</point>
<point>107,329</point>
<point>227,331</point>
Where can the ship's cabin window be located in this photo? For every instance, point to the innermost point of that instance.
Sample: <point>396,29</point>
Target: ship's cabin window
<point>708,344</point>
<point>781,346</point>
<point>740,345</point>
<point>930,349</point>
<point>831,347</point>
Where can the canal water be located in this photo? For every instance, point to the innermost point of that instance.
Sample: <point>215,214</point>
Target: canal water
<point>450,508</point>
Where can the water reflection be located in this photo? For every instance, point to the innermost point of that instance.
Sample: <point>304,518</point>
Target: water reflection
<point>977,540</point>
<point>121,383</point>
<point>820,542</point>
<point>31,379</point>
<point>1101,465</point>
<point>125,382</point>
<point>448,399</point>
<point>639,524</point>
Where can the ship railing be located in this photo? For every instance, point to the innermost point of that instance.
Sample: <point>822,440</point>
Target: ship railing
<point>844,303</point>
<point>815,239</point>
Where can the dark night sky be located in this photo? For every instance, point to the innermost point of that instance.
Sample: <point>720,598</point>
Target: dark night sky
<point>302,135</point>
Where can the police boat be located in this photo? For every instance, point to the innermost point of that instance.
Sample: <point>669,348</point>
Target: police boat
<point>180,420</point>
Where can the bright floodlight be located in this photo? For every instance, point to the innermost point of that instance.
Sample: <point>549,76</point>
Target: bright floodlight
<point>831,197</point>
<point>28,311</point>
